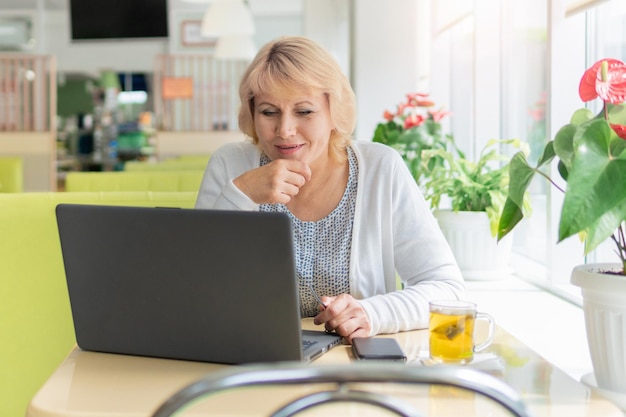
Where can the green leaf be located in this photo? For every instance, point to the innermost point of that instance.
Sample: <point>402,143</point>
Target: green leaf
<point>564,145</point>
<point>510,216</point>
<point>617,113</point>
<point>520,177</point>
<point>387,133</point>
<point>496,204</point>
<point>617,146</point>
<point>548,154</point>
<point>411,138</point>
<point>595,185</point>
<point>580,116</point>
<point>604,227</point>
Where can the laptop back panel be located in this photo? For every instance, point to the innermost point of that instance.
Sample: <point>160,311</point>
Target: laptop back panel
<point>203,285</point>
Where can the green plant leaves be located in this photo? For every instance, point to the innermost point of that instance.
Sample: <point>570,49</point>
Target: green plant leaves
<point>520,177</point>
<point>564,147</point>
<point>592,159</point>
<point>411,142</point>
<point>595,201</point>
<point>472,186</point>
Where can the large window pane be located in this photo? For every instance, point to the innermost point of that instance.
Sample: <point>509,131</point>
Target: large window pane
<point>524,97</point>
<point>538,58</point>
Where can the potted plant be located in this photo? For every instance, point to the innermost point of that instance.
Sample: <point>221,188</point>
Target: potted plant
<point>475,192</point>
<point>591,155</point>
<point>413,127</point>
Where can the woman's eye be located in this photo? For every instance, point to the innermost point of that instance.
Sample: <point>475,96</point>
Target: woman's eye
<point>269,113</point>
<point>304,112</point>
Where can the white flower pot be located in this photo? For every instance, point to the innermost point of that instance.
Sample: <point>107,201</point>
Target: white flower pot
<point>479,255</point>
<point>604,304</point>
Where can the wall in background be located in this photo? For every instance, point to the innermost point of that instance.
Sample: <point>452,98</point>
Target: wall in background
<point>385,50</point>
<point>377,44</point>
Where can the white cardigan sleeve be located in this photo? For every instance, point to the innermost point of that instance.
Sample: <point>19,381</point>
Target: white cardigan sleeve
<point>217,190</point>
<point>396,233</point>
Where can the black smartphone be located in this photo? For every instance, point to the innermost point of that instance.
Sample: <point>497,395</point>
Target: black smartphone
<point>377,348</point>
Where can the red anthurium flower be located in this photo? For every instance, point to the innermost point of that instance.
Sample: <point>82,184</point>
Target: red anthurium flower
<point>438,115</point>
<point>413,120</point>
<point>587,86</point>
<point>400,109</point>
<point>388,116</point>
<point>413,99</point>
<point>416,96</point>
<point>424,103</point>
<point>620,130</point>
<point>605,79</point>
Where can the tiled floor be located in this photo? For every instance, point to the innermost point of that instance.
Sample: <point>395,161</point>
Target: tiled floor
<point>551,326</point>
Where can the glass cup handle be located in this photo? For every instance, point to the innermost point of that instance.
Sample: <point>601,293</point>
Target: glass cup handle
<point>490,335</point>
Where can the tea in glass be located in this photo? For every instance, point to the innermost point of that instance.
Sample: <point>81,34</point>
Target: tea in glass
<point>451,328</point>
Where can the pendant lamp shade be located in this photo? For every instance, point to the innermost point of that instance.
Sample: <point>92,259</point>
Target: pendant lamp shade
<point>227,17</point>
<point>235,47</point>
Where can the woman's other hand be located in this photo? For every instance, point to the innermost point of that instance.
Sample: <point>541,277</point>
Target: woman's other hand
<point>344,315</point>
<point>277,182</point>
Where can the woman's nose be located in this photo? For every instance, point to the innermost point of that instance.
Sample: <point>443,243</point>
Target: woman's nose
<point>286,127</point>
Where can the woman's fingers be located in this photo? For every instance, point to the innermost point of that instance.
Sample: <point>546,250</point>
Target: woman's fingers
<point>277,182</point>
<point>345,316</point>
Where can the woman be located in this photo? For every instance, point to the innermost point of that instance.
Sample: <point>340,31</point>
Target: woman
<point>357,214</point>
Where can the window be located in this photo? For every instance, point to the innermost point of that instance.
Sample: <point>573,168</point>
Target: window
<point>523,111</point>
<point>511,70</point>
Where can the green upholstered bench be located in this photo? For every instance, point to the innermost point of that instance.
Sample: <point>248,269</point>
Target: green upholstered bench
<point>11,175</point>
<point>36,329</point>
<point>141,166</point>
<point>175,180</point>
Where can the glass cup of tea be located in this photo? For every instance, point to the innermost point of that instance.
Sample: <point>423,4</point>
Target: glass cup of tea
<point>451,331</point>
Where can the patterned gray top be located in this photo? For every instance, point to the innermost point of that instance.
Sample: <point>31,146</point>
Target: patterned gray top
<point>322,248</point>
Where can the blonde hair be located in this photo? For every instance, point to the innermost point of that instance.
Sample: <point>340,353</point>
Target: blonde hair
<point>291,65</point>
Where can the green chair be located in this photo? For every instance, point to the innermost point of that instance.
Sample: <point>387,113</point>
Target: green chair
<point>140,166</point>
<point>181,163</point>
<point>161,181</point>
<point>11,175</point>
<point>194,157</point>
<point>36,328</point>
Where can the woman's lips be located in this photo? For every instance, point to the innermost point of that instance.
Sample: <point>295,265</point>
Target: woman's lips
<point>288,149</point>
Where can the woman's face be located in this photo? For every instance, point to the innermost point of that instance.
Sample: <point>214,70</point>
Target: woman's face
<point>297,128</point>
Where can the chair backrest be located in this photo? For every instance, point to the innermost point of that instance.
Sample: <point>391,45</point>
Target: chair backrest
<point>11,175</point>
<point>164,181</point>
<point>36,328</point>
<point>176,165</point>
<point>341,377</point>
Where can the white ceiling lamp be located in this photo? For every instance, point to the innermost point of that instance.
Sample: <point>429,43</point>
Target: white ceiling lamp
<point>227,17</point>
<point>235,47</point>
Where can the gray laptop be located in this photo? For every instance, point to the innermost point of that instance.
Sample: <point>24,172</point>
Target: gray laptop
<point>201,285</point>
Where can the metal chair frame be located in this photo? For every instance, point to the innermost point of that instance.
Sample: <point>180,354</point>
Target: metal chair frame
<point>374,372</point>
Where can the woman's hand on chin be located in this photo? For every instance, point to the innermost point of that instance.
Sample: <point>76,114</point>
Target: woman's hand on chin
<point>277,182</point>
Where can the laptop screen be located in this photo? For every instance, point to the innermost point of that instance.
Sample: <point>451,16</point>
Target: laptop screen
<point>204,285</point>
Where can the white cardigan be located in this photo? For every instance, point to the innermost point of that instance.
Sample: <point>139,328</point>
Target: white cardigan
<point>394,230</point>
